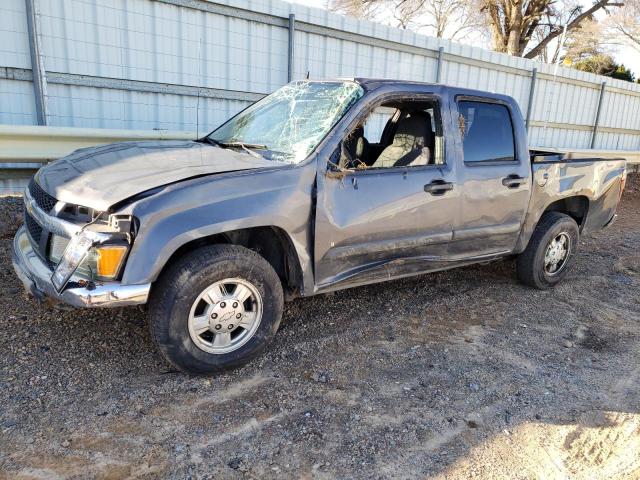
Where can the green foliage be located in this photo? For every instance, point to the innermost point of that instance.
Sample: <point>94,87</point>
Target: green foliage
<point>623,73</point>
<point>603,64</point>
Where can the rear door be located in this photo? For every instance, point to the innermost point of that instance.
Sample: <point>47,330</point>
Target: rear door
<point>495,176</point>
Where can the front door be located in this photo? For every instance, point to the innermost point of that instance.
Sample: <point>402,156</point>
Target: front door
<point>386,211</point>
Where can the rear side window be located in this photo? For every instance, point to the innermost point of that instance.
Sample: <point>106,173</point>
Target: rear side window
<point>486,131</point>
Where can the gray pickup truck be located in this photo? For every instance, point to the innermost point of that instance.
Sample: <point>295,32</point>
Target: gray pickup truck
<point>317,187</point>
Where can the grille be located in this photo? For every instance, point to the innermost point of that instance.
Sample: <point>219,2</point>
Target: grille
<point>45,201</point>
<point>35,230</point>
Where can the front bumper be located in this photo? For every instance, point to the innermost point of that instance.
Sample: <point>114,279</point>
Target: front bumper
<point>36,277</point>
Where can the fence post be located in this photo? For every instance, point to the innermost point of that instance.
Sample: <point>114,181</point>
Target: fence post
<point>37,68</point>
<point>292,34</point>
<point>532,91</point>
<point>439,65</point>
<point>597,119</point>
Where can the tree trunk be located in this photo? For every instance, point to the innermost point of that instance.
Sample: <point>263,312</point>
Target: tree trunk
<point>515,29</point>
<point>497,35</point>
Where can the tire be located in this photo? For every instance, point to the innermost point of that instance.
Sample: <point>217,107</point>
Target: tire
<point>532,267</point>
<point>188,291</point>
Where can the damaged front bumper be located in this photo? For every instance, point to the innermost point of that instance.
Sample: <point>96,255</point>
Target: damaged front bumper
<point>35,274</point>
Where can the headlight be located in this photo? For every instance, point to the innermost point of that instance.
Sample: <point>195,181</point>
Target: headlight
<point>74,254</point>
<point>85,256</point>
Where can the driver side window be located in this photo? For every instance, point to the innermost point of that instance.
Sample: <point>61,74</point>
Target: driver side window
<point>395,134</point>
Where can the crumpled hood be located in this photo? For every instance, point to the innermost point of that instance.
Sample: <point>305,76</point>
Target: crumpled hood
<point>99,177</point>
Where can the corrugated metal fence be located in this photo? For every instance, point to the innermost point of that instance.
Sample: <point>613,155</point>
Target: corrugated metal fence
<point>189,64</point>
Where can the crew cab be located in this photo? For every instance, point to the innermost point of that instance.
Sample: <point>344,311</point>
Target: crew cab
<point>322,185</point>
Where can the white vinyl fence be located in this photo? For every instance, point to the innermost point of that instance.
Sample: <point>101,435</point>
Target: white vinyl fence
<point>187,65</point>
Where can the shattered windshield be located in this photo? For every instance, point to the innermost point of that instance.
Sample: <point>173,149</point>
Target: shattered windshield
<point>288,124</point>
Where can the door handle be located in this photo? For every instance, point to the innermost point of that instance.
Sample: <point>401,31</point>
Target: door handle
<point>438,187</point>
<point>513,181</point>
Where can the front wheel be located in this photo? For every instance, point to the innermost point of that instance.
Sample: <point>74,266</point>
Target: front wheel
<point>547,257</point>
<point>216,308</point>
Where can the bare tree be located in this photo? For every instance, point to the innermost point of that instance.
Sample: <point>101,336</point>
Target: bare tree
<point>590,39</point>
<point>452,19</point>
<point>555,17</point>
<point>515,23</point>
<point>626,22</point>
<point>356,8</point>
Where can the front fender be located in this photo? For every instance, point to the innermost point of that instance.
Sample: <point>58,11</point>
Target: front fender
<point>208,206</point>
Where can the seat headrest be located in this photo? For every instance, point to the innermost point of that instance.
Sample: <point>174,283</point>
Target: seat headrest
<point>351,142</point>
<point>414,128</point>
<point>358,131</point>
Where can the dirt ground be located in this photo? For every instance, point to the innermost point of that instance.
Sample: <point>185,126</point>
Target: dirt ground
<point>461,374</point>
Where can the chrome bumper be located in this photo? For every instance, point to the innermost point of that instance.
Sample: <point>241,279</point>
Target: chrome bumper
<point>36,277</point>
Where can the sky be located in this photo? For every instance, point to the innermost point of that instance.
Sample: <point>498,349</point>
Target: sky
<point>623,54</point>
<point>631,58</point>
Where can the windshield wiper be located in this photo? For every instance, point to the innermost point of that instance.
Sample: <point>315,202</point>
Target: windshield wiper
<point>258,146</point>
<point>245,146</point>
<point>211,141</point>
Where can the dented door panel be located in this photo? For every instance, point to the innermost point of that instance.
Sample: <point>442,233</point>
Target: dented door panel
<point>491,213</point>
<point>368,219</point>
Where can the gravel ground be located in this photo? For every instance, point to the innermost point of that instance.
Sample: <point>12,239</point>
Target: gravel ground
<point>452,375</point>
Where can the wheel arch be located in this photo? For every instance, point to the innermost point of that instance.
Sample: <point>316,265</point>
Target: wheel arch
<point>270,242</point>
<point>575,206</point>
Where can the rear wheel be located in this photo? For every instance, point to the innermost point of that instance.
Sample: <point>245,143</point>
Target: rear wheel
<point>547,257</point>
<point>215,308</point>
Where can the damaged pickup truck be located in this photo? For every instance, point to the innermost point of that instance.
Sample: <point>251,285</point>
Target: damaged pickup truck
<point>317,187</point>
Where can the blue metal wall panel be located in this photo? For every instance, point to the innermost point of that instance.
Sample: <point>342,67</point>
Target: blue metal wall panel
<point>14,42</point>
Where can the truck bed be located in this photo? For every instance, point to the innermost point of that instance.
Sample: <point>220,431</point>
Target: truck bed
<point>595,181</point>
<point>541,154</point>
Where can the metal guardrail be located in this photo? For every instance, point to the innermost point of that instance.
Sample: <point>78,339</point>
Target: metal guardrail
<point>22,148</point>
<point>34,144</point>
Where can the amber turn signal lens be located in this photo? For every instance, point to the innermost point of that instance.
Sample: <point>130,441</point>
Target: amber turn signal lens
<point>109,259</point>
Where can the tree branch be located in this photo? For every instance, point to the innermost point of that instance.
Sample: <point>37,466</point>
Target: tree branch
<point>629,36</point>
<point>554,33</point>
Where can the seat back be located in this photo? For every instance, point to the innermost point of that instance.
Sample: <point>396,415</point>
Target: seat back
<point>412,142</point>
